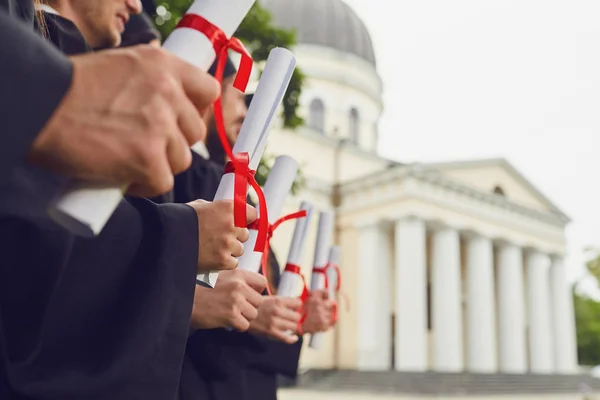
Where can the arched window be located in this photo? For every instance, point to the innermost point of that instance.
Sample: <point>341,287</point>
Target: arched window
<point>354,125</point>
<point>499,190</point>
<point>316,117</point>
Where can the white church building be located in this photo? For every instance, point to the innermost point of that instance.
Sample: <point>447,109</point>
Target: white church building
<point>452,266</point>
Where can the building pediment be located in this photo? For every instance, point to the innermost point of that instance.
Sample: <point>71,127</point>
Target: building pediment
<point>495,176</point>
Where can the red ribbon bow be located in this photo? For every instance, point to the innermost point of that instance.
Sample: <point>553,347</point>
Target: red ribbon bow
<point>221,43</point>
<point>264,246</point>
<point>295,269</point>
<point>323,270</point>
<point>239,163</point>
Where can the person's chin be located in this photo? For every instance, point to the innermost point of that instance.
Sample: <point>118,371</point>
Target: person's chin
<point>115,39</point>
<point>108,42</point>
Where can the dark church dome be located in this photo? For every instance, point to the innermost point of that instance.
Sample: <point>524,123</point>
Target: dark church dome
<point>330,23</point>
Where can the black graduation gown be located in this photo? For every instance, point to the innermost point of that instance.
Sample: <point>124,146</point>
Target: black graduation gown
<point>34,76</point>
<point>102,318</point>
<point>200,181</point>
<point>221,364</point>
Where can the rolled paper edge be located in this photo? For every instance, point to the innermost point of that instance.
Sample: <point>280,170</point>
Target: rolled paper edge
<point>84,210</point>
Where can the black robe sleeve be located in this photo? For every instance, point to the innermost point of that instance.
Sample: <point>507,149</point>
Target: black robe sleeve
<point>34,77</point>
<point>102,318</point>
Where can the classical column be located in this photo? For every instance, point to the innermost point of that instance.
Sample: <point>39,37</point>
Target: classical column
<point>481,316</point>
<point>446,301</point>
<point>374,303</point>
<point>411,296</point>
<point>563,321</point>
<point>541,359</point>
<point>511,311</point>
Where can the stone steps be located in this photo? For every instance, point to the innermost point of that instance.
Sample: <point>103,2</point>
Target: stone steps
<point>444,383</point>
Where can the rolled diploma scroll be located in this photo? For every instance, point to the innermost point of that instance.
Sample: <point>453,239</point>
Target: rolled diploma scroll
<point>277,188</point>
<point>332,276</point>
<point>85,207</point>
<point>322,248</point>
<point>253,134</point>
<point>290,283</point>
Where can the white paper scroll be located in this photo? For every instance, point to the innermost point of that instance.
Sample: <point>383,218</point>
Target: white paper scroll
<point>290,284</point>
<point>332,275</point>
<point>253,134</point>
<point>84,208</point>
<point>277,188</point>
<point>322,249</point>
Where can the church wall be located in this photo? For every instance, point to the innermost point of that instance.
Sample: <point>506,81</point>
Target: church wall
<point>316,160</point>
<point>318,157</point>
<point>343,82</point>
<point>347,327</point>
<point>339,100</point>
<point>347,69</point>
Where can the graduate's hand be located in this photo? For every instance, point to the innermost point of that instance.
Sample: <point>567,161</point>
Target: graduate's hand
<point>220,241</point>
<point>277,317</point>
<point>319,312</point>
<point>128,119</point>
<point>233,302</point>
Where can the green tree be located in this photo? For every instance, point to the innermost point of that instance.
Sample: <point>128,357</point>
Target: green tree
<point>587,320</point>
<point>260,36</point>
<point>593,267</point>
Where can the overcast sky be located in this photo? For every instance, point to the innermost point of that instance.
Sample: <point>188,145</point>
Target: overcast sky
<point>518,79</point>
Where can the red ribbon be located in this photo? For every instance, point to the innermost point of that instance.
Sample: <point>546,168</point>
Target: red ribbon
<point>244,176</point>
<point>295,269</point>
<point>239,163</point>
<point>221,43</point>
<point>323,270</point>
<point>264,247</point>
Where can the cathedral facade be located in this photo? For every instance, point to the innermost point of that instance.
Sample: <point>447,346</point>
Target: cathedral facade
<point>447,267</point>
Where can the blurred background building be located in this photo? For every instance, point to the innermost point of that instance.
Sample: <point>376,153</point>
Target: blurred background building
<point>448,267</point>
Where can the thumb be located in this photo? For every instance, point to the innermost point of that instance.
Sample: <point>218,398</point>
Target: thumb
<point>251,214</point>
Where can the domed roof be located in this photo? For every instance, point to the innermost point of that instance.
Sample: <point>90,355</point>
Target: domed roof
<point>330,23</point>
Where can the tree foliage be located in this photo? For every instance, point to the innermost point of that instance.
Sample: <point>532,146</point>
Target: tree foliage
<point>593,267</point>
<point>587,320</point>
